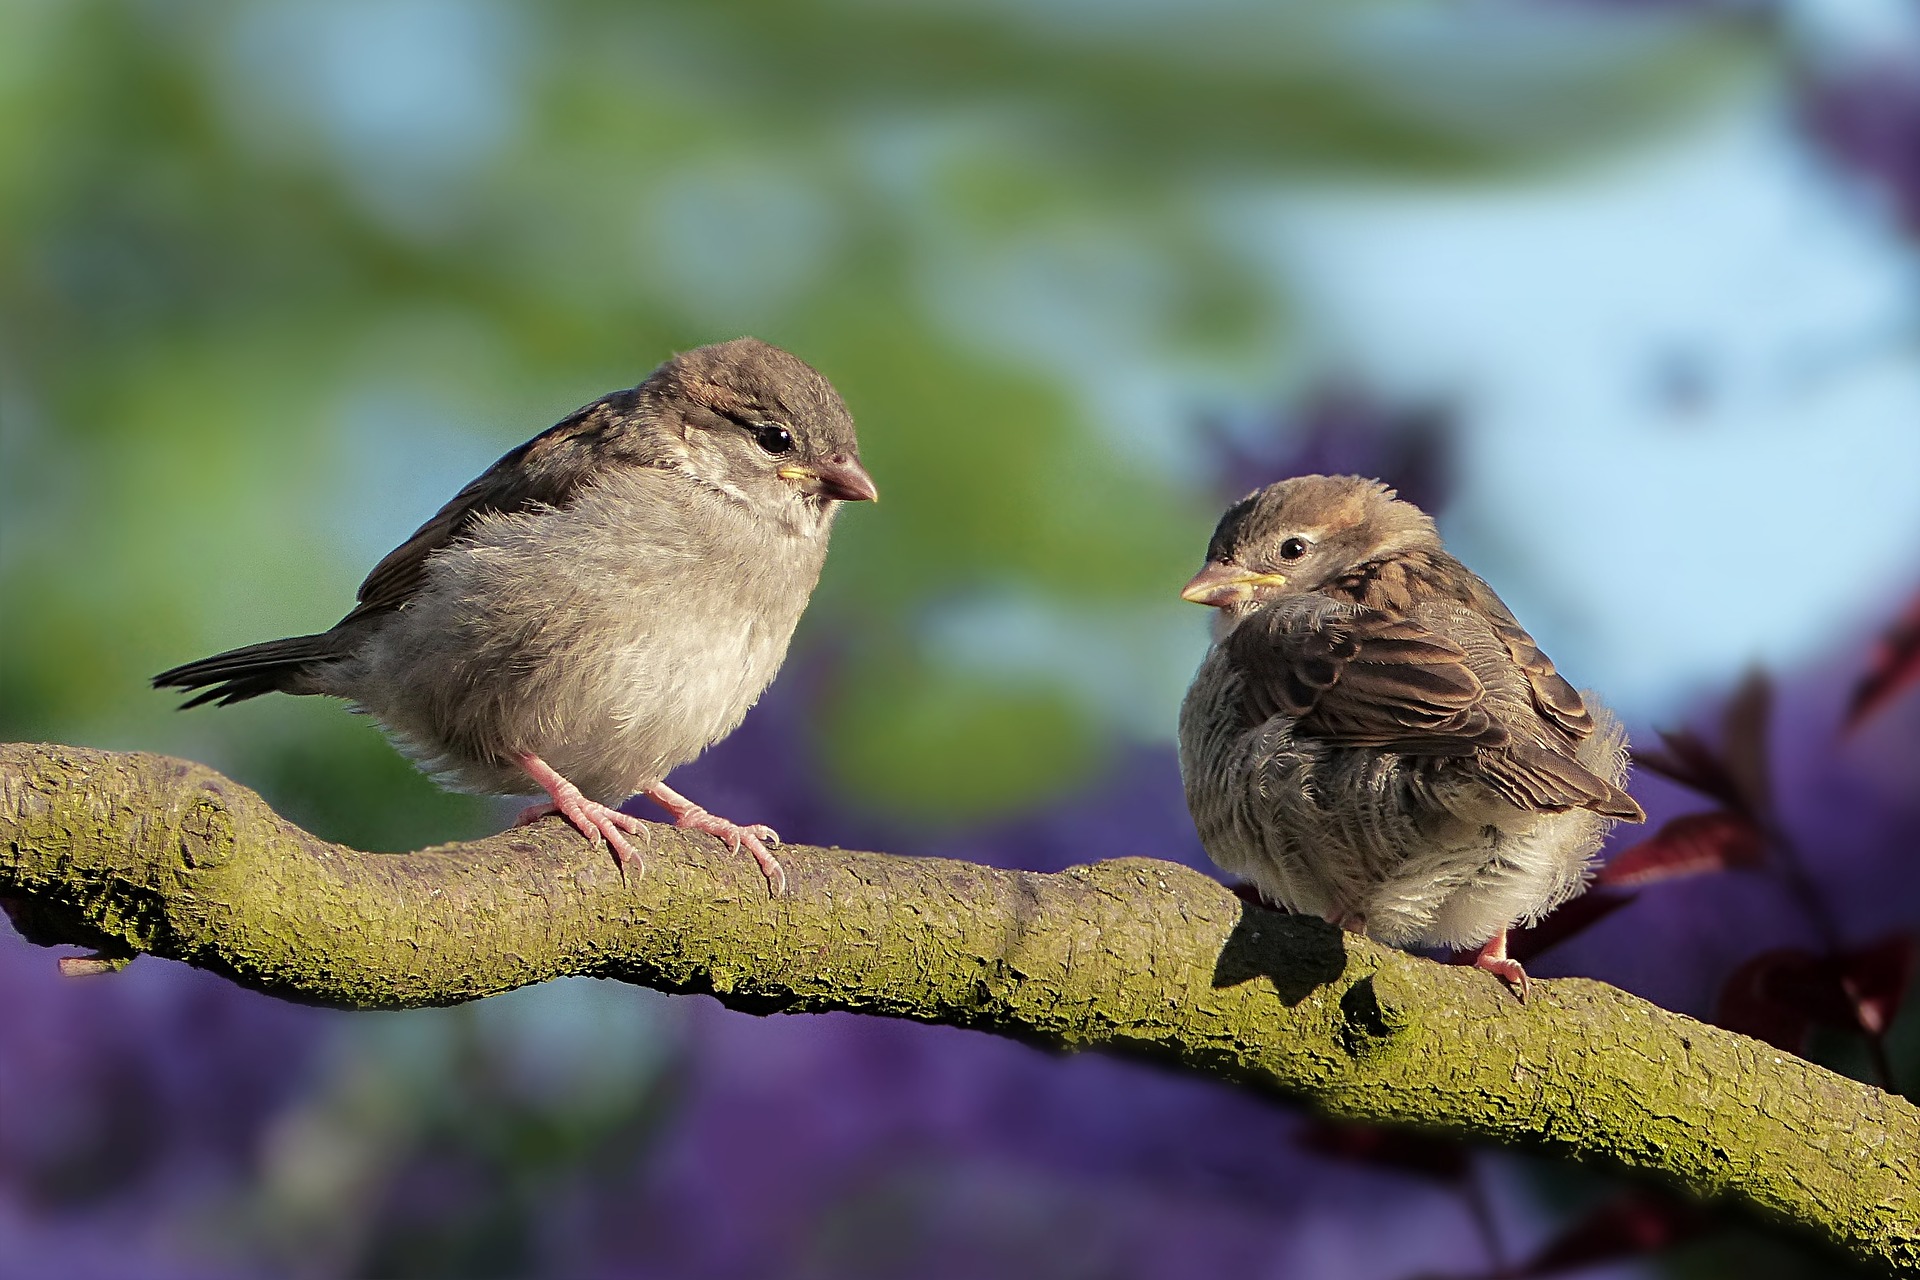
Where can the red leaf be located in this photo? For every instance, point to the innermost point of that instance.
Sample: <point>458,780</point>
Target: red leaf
<point>1566,920</point>
<point>1636,1223</point>
<point>1690,845</point>
<point>1743,740</point>
<point>1753,1003</point>
<point>1395,1149</point>
<point>1778,995</point>
<point>1895,665</point>
<point>1692,763</point>
<point>1875,979</point>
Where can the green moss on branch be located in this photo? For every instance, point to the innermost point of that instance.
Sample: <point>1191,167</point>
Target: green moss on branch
<point>131,853</point>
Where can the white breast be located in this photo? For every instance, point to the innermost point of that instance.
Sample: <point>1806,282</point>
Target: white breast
<point>616,638</point>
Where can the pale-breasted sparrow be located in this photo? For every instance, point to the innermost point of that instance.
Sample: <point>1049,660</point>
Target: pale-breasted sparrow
<point>601,605</point>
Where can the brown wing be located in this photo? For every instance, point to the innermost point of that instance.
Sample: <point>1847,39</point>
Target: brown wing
<point>546,470</point>
<point>1367,677</point>
<point>1363,677</point>
<point>1553,697</point>
<point>1535,775</point>
<point>1538,768</point>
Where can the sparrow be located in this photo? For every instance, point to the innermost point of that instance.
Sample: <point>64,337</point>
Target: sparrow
<point>602,604</point>
<point>1374,739</point>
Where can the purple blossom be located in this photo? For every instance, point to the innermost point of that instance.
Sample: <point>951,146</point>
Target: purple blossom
<point>134,1106</point>
<point>1869,119</point>
<point>1340,428</point>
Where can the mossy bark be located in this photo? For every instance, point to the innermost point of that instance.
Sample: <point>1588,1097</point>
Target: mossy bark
<point>132,853</point>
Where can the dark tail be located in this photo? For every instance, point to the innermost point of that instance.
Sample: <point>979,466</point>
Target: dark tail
<point>278,666</point>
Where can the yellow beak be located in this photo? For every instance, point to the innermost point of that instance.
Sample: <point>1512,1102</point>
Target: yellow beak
<point>1219,585</point>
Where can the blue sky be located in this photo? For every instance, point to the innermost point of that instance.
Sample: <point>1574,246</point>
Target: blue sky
<point>1689,385</point>
<point>1686,382</point>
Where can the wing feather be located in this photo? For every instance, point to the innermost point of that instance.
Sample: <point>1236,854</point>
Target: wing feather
<point>1553,697</point>
<point>1362,677</point>
<point>545,471</point>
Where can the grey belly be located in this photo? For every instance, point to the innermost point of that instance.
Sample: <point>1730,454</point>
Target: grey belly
<point>1347,832</point>
<point>610,678</point>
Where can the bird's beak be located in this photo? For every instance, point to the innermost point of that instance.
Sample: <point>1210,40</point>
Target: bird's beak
<point>1220,585</point>
<point>838,477</point>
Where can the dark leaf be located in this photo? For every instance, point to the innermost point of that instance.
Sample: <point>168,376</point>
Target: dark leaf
<point>1895,665</point>
<point>1633,1225</point>
<point>1690,845</point>
<point>1692,763</point>
<point>1778,995</point>
<point>1566,920</point>
<point>1744,729</point>
<point>1397,1149</point>
<point>1752,1000</point>
<point>1875,981</point>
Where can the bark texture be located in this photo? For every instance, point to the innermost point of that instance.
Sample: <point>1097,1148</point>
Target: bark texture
<point>130,853</point>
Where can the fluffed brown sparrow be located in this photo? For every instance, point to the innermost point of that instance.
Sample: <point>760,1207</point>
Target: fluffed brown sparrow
<point>1374,739</point>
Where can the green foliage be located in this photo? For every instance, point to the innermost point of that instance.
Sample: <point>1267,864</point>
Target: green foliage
<point>948,748</point>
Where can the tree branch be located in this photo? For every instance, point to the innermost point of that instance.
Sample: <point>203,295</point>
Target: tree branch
<point>132,853</point>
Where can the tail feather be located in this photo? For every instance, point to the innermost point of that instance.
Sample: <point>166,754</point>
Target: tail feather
<point>1535,777</point>
<point>277,666</point>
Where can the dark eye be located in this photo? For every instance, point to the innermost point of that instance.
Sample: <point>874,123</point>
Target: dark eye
<point>772,437</point>
<point>1293,548</point>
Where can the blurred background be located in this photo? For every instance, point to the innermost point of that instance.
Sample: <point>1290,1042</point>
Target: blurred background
<point>1628,293</point>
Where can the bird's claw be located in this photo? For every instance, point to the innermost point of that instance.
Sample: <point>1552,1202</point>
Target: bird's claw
<point>592,819</point>
<point>753,837</point>
<point>596,822</point>
<point>1494,959</point>
<point>1509,972</point>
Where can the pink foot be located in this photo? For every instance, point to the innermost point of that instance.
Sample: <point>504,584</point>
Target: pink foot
<point>1493,957</point>
<point>1349,921</point>
<point>594,820</point>
<point>754,838</point>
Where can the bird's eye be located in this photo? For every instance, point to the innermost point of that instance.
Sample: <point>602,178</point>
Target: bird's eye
<point>772,437</point>
<point>1293,548</point>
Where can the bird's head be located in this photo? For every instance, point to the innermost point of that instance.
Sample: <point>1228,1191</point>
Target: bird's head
<point>1299,535</point>
<point>762,426</point>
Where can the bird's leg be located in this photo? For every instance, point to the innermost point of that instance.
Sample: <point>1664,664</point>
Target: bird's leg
<point>595,820</point>
<point>1493,957</point>
<point>1347,921</point>
<point>754,837</point>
